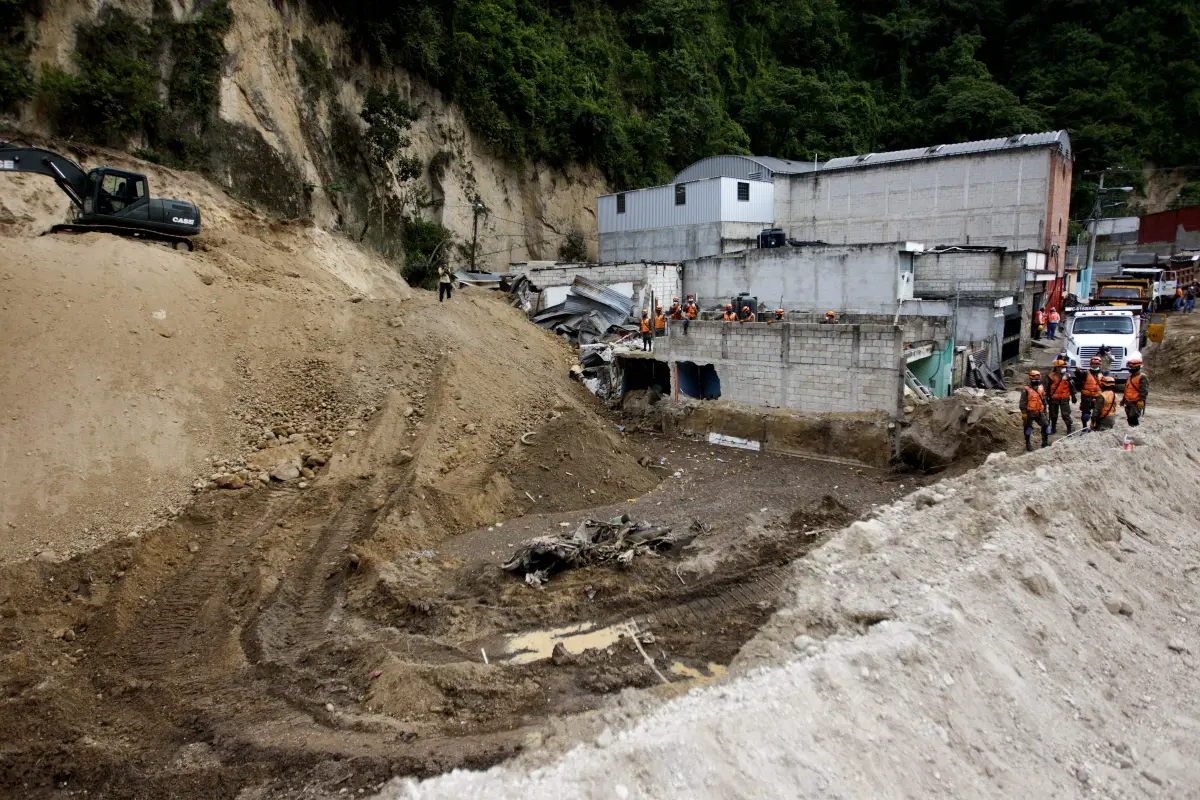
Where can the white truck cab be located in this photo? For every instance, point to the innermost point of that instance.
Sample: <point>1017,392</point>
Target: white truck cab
<point>1088,328</point>
<point>1164,281</point>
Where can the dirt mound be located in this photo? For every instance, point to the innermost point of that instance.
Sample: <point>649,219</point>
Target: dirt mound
<point>828,512</point>
<point>984,637</point>
<point>576,460</point>
<point>959,431</point>
<point>1175,363</point>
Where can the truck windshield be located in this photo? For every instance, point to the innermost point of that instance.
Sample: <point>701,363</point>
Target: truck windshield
<point>1124,292</point>
<point>1103,325</point>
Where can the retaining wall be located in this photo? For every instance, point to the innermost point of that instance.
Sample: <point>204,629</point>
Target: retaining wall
<point>801,366</point>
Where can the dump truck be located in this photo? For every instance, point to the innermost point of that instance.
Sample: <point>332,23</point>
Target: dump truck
<point>106,199</point>
<point>1132,292</point>
<point>1163,283</point>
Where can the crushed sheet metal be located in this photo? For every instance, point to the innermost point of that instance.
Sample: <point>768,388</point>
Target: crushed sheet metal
<point>734,441</point>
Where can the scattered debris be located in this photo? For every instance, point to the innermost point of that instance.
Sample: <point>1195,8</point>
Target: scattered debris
<point>592,543</point>
<point>733,441</point>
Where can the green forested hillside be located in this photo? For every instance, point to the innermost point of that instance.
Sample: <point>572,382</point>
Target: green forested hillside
<point>644,87</point>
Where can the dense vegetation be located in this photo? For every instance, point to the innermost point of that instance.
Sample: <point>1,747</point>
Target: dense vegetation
<point>114,92</point>
<point>645,87</point>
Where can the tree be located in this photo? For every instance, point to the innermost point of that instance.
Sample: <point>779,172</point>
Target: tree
<point>388,117</point>
<point>573,248</point>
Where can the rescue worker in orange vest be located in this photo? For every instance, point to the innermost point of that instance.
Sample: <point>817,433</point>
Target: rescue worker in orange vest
<point>729,315</point>
<point>689,312</point>
<point>660,321</point>
<point>1033,409</point>
<point>1137,386</point>
<point>779,315</point>
<point>1053,320</point>
<point>747,315</point>
<point>1104,412</point>
<point>1060,393</point>
<point>1087,383</point>
<point>1039,323</point>
<point>830,318</point>
<point>676,309</point>
<point>647,332</point>
<point>1179,298</point>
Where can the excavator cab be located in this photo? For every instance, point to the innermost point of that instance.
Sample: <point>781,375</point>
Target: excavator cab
<point>113,192</point>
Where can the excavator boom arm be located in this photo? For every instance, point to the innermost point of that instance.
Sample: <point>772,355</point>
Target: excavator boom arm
<point>69,176</point>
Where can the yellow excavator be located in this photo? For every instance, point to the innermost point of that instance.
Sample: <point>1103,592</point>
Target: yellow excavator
<point>108,200</point>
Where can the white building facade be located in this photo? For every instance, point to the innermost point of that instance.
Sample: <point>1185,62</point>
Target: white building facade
<point>684,220</point>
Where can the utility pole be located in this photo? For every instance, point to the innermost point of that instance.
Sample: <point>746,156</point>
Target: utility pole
<point>477,207</point>
<point>1091,253</point>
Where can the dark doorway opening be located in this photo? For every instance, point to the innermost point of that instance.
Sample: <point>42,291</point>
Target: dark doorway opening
<point>645,373</point>
<point>699,380</point>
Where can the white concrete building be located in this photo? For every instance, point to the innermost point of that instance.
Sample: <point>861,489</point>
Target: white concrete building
<point>688,219</point>
<point>1013,192</point>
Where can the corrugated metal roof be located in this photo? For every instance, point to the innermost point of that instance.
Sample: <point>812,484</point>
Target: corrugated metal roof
<point>737,166</point>
<point>1019,141</point>
<point>582,287</point>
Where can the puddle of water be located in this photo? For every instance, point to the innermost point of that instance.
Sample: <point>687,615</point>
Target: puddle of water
<point>525,648</point>
<point>715,671</point>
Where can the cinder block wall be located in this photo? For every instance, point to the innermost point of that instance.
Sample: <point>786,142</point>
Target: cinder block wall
<point>801,366</point>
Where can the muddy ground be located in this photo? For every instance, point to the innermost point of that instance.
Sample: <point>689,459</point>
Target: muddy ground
<point>258,646</point>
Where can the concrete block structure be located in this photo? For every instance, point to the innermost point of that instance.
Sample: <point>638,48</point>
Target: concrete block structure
<point>682,220</point>
<point>1012,193</point>
<point>866,278</point>
<point>807,367</point>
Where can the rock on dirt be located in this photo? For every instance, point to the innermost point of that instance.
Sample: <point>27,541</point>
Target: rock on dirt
<point>286,471</point>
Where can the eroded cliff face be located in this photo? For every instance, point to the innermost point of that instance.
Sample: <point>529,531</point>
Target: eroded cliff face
<point>287,138</point>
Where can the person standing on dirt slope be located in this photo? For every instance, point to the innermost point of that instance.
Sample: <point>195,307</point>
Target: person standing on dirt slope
<point>1189,300</point>
<point>1137,387</point>
<point>647,333</point>
<point>1061,394</point>
<point>660,322</point>
<point>1105,411</point>
<point>1087,382</point>
<point>445,282</point>
<point>1052,320</point>
<point>1033,410</point>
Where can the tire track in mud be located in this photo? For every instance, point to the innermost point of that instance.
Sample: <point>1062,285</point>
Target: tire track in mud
<point>296,617</point>
<point>170,631</point>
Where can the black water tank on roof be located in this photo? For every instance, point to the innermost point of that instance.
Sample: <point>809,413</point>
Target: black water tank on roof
<point>772,237</point>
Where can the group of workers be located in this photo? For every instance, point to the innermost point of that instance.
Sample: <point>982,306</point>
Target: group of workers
<point>1045,322</point>
<point>1046,398</point>
<point>686,312</point>
<point>1185,297</point>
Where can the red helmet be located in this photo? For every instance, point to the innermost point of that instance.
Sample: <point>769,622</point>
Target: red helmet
<point>1134,363</point>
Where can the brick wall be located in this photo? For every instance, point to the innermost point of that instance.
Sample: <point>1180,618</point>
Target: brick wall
<point>801,366</point>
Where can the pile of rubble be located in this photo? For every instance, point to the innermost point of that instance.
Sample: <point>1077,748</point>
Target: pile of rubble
<point>587,313</point>
<point>593,542</point>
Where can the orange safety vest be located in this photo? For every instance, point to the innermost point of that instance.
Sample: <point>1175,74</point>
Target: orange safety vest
<point>660,321</point>
<point>1133,389</point>
<point>645,324</point>
<point>1035,401</point>
<point>1106,406</point>
<point>729,316</point>
<point>748,318</point>
<point>1060,387</point>
<point>1039,317</point>
<point>690,310</point>
<point>1054,316</point>
<point>676,312</point>
<point>1091,386</point>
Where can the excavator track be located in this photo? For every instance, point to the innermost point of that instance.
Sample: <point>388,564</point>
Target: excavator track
<point>181,243</point>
